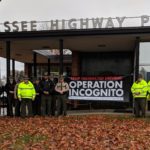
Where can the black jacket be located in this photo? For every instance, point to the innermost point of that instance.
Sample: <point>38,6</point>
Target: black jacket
<point>9,87</point>
<point>47,86</point>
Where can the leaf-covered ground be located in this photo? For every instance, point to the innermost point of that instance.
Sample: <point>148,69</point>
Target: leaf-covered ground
<point>92,132</point>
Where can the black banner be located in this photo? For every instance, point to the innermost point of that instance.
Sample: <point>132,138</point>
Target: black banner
<point>107,88</point>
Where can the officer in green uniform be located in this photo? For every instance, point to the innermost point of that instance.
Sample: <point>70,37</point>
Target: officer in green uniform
<point>26,93</point>
<point>62,88</point>
<point>139,90</point>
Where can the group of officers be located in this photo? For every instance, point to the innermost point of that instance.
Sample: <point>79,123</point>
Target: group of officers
<point>48,96</point>
<point>45,97</point>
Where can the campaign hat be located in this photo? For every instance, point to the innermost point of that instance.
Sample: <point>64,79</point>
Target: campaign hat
<point>25,77</point>
<point>45,74</point>
<point>61,77</point>
<point>140,75</point>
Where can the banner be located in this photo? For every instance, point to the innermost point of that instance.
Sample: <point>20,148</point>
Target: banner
<point>108,88</point>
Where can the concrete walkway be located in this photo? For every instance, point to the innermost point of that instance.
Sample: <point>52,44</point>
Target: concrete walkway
<point>129,112</point>
<point>100,111</point>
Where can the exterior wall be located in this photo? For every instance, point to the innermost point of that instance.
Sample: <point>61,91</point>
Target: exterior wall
<point>75,64</point>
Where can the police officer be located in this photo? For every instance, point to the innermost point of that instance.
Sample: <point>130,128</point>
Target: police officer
<point>17,101</point>
<point>139,90</point>
<point>36,104</point>
<point>9,87</point>
<point>46,95</point>
<point>62,88</point>
<point>26,93</point>
<point>53,82</point>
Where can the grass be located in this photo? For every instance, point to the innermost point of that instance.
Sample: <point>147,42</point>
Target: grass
<point>21,142</point>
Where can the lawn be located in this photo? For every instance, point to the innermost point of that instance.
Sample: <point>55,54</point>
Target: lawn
<point>88,132</point>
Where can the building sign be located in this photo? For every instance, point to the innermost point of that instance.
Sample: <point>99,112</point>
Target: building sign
<point>87,23</point>
<point>99,88</point>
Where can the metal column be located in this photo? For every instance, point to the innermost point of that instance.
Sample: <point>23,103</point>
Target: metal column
<point>7,59</point>
<point>13,68</point>
<point>49,68</point>
<point>136,58</point>
<point>61,57</point>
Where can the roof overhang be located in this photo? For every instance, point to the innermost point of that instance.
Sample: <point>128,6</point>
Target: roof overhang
<point>82,40</point>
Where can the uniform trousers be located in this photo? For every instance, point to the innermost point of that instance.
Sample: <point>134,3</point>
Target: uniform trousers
<point>26,102</point>
<point>46,105</point>
<point>61,105</point>
<point>140,107</point>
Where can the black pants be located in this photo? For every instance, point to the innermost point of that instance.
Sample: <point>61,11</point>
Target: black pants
<point>17,107</point>
<point>53,105</point>
<point>61,105</point>
<point>25,102</point>
<point>10,104</point>
<point>140,107</point>
<point>36,105</point>
<point>46,105</point>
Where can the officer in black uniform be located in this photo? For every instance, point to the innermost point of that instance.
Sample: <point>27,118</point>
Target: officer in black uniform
<point>9,88</point>
<point>46,95</point>
<point>36,104</point>
<point>53,82</point>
